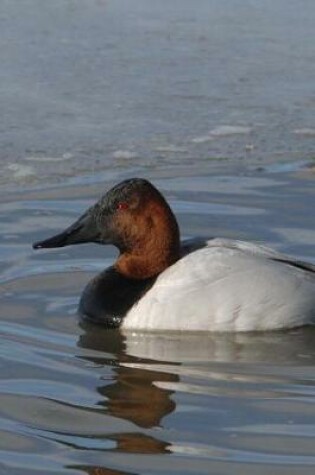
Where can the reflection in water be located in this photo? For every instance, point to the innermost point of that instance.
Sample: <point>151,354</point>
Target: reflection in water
<point>89,400</point>
<point>289,347</point>
<point>132,396</point>
<point>102,471</point>
<point>105,398</point>
<point>150,367</point>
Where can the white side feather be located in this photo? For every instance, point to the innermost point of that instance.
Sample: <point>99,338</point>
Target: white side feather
<point>227,286</point>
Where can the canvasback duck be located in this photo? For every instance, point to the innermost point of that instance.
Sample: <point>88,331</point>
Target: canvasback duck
<point>161,283</point>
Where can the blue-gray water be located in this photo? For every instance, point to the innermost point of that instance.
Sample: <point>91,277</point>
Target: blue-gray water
<point>95,85</point>
<point>213,101</point>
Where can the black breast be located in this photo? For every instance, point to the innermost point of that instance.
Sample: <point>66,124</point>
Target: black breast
<point>108,297</point>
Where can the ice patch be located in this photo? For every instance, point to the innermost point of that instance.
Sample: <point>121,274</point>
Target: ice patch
<point>41,158</point>
<point>170,149</point>
<point>124,155</point>
<point>202,139</point>
<point>305,131</point>
<point>223,131</point>
<point>21,171</point>
<point>229,130</point>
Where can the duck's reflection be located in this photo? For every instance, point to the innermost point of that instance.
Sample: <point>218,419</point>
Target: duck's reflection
<point>147,368</point>
<point>295,347</point>
<point>131,396</point>
<point>101,471</point>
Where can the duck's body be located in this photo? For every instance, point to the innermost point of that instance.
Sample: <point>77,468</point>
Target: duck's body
<point>159,283</point>
<point>226,287</point>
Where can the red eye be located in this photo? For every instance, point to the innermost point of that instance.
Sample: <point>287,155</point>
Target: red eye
<point>122,206</point>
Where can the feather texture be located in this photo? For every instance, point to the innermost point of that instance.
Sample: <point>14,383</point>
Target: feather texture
<point>228,286</point>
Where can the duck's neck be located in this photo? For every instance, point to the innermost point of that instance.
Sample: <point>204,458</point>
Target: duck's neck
<point>142,267</point>
<point>155,248</point>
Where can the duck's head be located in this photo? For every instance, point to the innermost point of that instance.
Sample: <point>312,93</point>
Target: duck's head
<point>134,217</point>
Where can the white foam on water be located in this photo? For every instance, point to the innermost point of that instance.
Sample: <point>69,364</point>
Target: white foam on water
<point>42,158</point>
<point>21,171</point>
<point>124,155</point>
<point>222,131</point>
<point>305,131</point>
<point>170,148</point>
<point>202,139</point>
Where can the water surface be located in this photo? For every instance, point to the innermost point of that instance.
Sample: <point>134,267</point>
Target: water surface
<point>102,85</point>
<point>213,101</point>
<point>76,398</point>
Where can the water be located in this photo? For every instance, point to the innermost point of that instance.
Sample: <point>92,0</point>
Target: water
<point>96,86</point>
<point>214,102</point>
<point>76,399</point>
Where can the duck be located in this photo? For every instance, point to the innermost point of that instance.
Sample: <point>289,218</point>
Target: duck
<point>162,283</point>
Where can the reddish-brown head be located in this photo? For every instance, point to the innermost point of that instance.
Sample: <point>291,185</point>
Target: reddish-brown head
<point>135,217</point>
<point>146,229</point>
